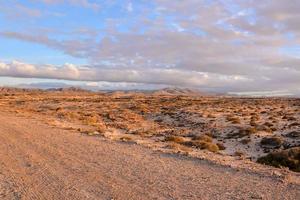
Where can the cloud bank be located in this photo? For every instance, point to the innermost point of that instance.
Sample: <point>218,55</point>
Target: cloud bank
<point>225,45</point>
<point>174,77</point>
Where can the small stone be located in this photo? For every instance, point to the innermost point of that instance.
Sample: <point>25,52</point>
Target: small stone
<point>276,173</point>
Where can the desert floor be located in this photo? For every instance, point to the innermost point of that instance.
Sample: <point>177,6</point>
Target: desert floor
<point>82,145</point>
<point>42,162</point>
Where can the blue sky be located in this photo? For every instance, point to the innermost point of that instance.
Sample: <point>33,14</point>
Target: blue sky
<point>221,45</point>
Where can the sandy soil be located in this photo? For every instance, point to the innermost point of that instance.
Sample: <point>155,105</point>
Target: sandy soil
<point>43,162</point>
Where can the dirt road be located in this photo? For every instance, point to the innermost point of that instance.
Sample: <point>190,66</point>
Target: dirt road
<point>41,162</point>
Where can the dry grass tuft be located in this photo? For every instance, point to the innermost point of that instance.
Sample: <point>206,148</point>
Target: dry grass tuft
<point>176,139</point>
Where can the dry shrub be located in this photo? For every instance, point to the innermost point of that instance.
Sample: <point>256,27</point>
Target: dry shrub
<point>263,128</point>
<point>294,124</point>
<point>245,141</point>
<point>221,146</point>
<point>286,158</point>
<point>203,142</point>
<point>275,142</point>
<point>205,138</point>
<point>253,123</point>
<point>91,120</point>
<point>176,139</point>
<point>234,120</point>
<point>239,153</point>
<point>241,132</point>
<point>179,147</point>
<point>92,133</point>
<point>254,117</point>
<point>211,116</point>
<point>293,134</point>
<point>125,138</point>
<point>206,145</point>
<point>269,124</point>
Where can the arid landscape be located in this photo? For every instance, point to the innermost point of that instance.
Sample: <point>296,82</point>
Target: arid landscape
<point>149,100</point>
<point>256,137</point>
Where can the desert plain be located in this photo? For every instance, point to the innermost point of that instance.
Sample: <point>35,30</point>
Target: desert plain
<point>165,144</point>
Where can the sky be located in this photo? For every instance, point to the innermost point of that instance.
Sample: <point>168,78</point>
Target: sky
<point>228,46</point>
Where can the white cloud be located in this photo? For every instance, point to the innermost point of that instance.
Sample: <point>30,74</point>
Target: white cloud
<point>175,77</point>
<point>129,7</point>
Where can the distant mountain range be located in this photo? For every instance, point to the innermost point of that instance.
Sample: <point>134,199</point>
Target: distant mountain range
<point>159,92</point>
<point>168,91</point>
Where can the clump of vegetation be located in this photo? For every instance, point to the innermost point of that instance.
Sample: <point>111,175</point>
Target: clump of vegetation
<point>126,138</point>
<point>245,141</point>
<point>250,130</point>
<point>179,147</point>
<point>253,123</point>
<point>241,132</point>
<point>206,145</point>
<point>263,128</point>
<point>221,146</point>
<point>274,142</point>
<point>254,117</point>
<point>294,124</point>
<point>203,142</point>
<point>269,124</point>
<point>211,116</point>
<point>234,120</point>
<point>291,118</point>
<point>92,133</point>
<point>205,138</point>
<point>239,153</point>
<point>286,158</point>
<point>91,120</point>
<point>176,139</point>
<point>293,134</point>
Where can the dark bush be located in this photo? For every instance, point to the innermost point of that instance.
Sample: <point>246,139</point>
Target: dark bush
<point>293,134</point>
<point>286,158</point>
<point>275,142</point>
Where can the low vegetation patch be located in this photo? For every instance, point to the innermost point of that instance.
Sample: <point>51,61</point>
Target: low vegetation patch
<point>293,134</point>
<point>234,120</point>
<point>176,139</point>
<point>203,142</point>
<point>274,142</point>
<point>286,158</point>
<point>263,128</point>
<point>241,132</point>
<point>205,138</point>
<point>221,146</point>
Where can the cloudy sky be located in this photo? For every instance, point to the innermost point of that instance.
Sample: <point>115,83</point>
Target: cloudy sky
<point>244,46</point>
